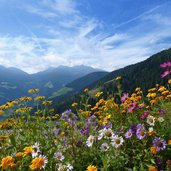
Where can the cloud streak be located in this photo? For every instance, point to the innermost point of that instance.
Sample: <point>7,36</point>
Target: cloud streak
<point>74,39</point>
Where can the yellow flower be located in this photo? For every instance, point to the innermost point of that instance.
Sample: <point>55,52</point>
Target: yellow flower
<point>28,150</point>
<point>91,168</point>
<point>152,89</point>
<point>38,163</point>
<point>118,78</point>
<point>25,99</point>
<point>98,94</point>
<point>47,102</point>
<point>152,168</point>
<point>19,154</point>
<point>7,162</point>
<point>161,88</point>
<point>39,98</point>
<point>1,112</point>
<point>169,81</point>
<point>74,104</point>
<point>34,90</point>
<point>85,90</point>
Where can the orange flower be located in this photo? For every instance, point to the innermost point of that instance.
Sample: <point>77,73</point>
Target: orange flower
<point>19,154</point>
<point>153,150</point>
<point>152,168</point>
<point>169,142</point>
<point>7,162</point>
<point>28,150</point>
<point>91,168</point>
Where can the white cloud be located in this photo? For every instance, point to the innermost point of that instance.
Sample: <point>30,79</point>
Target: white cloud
<point>74,40</point>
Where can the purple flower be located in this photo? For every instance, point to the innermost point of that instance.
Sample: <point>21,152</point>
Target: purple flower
<point>144,115</point>
<point>158,160</point>
<point>162,112</point>
<point>108,125</point>
<point>85,131</point>
<point>124,97</point>
<point>133,129</point>
<point>128,134</point>
<point>140,133</point>
<point>159,143</point>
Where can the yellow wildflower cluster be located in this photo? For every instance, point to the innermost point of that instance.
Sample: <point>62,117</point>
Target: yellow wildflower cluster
<point>34,90</point>
<point>39,98</point>
<point>25,99</point>
<point>158,93</point>
<point>23,110</point>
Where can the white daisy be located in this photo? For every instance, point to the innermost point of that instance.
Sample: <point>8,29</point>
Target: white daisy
<point>160,119</point>
<point>106,133</point>
<point>36,150</point>
<point>117,141</point>
<point>151,120</point>
<point>90,141</point>
<point>104,147</point>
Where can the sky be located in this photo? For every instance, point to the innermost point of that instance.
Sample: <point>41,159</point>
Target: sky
<point>105,34</point>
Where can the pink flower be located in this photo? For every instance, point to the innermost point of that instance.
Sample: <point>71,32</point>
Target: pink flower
<point>165,64</point>
<point>124,97</point>
<point>133,107</point>
<point>165,73</point>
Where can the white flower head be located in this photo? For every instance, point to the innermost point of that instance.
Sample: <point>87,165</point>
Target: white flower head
<point>151,120</point>
<point>104,147</point>
<point>160,119</point>
<point>36,150</point>
<point>117,141</point>
<point>69,167</point>
<point>59,156</point>
<point>106,133</point>
<point>150,129</point>
<point>90,141</point>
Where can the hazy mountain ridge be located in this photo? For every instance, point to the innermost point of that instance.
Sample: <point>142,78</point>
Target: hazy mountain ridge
<point>15,82</point>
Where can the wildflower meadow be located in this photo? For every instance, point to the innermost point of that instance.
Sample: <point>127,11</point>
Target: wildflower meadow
<point>133,134</point>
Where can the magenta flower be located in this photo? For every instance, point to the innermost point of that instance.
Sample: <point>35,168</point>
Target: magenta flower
<point>165,73</point>
<point>144,115</point>
<point>132,107</point>
<point>165,64</point>
<point>124,97</point>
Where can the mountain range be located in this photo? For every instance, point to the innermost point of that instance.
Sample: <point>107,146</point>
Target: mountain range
<point>15,83</point>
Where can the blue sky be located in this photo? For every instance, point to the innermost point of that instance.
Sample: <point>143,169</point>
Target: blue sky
<point>106,34</point>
